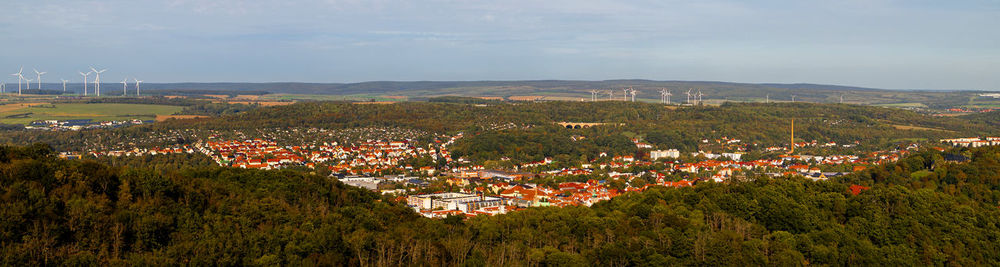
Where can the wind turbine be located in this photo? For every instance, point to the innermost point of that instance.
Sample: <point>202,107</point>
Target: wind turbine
<point>699,96</point>
<point>767,98</point>
<point>97,80</point>
<point>39,78</point>
<point>841,98</point>
<point>593,95</point>
<point>64,84</point>
<point>137,82</point>
<point>19,79</point>
<point>689,95</point>
<point>625,98</point>
<point>27,84</point>
<point>666,95</point>
<point>3,87</point>
<point>85,81</point>
<point>125,87</point>
<point>793,98</point>
<point>633,92</point>
<point>611,94</point>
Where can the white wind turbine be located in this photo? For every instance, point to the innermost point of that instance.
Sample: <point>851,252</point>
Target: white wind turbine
<point>19,79</point>
<point>64,84</point>
<point>27,85</point>
<point>611,94</point>
<point>699,97</point>
<point>3,87</point>
<point>689,95</point>
<point>633,92</point>
<point>625,97</point>
<point>125,87</point>
<point>39,78</point>
<point>593,95</point>
<point>85,81</point>
<point>793,98</point>
<point>97,80</point>
<point>137,82</point>
<point>665,96</point>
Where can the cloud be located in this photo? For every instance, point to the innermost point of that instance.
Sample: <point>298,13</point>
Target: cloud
<point>518,38</point>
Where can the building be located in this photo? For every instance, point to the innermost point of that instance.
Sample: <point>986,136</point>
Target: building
<point>370,183</point>
<point>733,156</point>
<point>452,201</point>
<point>670,153</point>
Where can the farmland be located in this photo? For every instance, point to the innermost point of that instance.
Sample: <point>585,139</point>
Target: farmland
<point>97,112</point>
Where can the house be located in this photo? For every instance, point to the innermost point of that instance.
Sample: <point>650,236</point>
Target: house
<point>799,168</point>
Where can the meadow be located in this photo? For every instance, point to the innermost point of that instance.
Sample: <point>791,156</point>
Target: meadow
<point>97,112</point>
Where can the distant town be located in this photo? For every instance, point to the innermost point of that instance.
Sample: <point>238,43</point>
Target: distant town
<point>81,124</point>
<point>391,168</point>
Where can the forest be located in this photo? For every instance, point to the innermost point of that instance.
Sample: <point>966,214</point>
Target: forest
<point>923,210</point>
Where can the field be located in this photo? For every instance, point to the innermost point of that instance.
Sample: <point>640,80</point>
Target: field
<point>903,105</point>
<point>910,127</point>
<point>97,112</point>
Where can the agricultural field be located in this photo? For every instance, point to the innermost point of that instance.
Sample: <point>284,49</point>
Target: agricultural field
<point>903,105</point>
<point>9,114</point>
<point>981,102</point>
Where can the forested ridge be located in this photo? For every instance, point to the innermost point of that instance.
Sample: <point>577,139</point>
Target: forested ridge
<point>923,210</point>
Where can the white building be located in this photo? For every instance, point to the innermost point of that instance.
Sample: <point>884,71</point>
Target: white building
<point>670,153</point>
<point>733,156</point>
<point>452,201</point>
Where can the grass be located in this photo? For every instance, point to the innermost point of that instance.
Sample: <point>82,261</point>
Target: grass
<point>989,103</point>
<point>97,112</point>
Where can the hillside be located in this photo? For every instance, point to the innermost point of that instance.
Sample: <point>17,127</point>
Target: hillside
<point>60,212</point>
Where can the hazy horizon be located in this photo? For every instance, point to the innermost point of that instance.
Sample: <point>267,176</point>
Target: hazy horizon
<point>131,82</point>
<point>883,44</point>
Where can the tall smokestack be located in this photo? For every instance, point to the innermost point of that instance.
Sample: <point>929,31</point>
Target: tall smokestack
<point>793,138</point>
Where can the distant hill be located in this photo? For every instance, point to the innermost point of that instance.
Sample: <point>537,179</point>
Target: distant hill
<point>648,90</point>
<point>411,87</point>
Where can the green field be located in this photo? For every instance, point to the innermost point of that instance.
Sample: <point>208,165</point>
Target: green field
<point>97,112</point>
<point>983,103</point>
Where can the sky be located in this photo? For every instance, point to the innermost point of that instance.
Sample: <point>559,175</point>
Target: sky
<point>888,44</point>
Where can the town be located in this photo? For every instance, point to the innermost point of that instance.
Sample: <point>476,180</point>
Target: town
<point>81,124</point>
<point>426,177</point>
